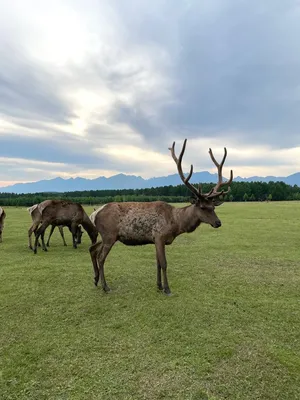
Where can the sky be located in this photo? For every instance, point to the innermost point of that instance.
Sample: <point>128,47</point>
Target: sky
<point>95,88</point>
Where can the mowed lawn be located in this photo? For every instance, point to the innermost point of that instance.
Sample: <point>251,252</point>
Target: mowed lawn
<point>231,330</point>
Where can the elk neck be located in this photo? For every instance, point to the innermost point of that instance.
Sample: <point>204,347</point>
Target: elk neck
<point>88,225</point>
<point>187,218</point>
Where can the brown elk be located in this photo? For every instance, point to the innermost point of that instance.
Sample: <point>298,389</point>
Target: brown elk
<point>2,218</point>
<point>36,216</point>
<point>66,213</point>
<point>157,222</point>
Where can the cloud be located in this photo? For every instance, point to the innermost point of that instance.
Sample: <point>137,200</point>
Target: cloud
<point>105,87</point>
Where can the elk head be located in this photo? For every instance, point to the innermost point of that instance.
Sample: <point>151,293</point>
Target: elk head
<point>79,234</point>
<point>204,203</point>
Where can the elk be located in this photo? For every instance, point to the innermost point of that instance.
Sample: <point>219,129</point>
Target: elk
<point>36,216</point>
<point>2,218</point>
<point>78,234</point>
<point>67,213</point>
<point>156,222</point>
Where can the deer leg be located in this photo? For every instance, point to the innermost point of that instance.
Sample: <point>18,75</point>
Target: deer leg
<point>61,231</point>
<point>101,260</point>
<point>50,234</point>
<point>74,231</point>
<point>44,247</point>
<point>38,233</point>
<point>94,251</point>
<point>0,236</point>
<point>159,284</point>
<point>32,229</point>
<point>161,256</point>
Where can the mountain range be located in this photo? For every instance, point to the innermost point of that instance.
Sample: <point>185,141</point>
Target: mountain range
<point>122,181</point>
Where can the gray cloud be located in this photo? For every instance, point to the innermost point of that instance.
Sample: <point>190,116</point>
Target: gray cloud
<point>235,69</point>
<point>29,92</point>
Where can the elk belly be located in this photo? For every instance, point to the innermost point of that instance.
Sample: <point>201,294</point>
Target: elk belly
<point>135,237</point>
<point>134,242</point>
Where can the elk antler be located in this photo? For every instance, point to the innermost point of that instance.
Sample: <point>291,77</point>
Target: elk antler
<point>214,192</point>
<point>197,192</point>
<point>185,180</point>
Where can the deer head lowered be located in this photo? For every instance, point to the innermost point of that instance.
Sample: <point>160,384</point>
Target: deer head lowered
<point>159,223</point>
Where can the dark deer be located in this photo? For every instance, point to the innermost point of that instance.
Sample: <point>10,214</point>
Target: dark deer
<point>66,213</point>
<point>2,218</point>
<point>36,216</point>
<point>78,234</point>
<point>157,222</point>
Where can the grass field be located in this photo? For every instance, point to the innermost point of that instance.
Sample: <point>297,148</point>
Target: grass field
<point>231,330</point>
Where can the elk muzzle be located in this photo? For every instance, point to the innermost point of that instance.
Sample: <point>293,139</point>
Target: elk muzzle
<point>216,224</point>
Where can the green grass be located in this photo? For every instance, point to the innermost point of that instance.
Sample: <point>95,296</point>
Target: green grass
<point>231,330</point>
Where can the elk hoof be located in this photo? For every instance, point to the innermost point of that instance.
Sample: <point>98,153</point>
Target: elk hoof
<point>159,287</point>
<point>45,249</point>
<point>106,289</point>
<point>34,251</point>
<point>167,292</point>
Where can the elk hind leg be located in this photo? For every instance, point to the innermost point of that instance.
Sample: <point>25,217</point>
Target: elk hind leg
<point>61,231</point>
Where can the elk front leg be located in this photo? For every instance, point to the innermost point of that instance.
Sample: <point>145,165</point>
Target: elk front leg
<point>38,233</point>
<point>94,251</point>
<point>74,231</point>
<point>44,247</point>
<point>101,260</point>
<point>61,231</point>
<point>0,236</point>
<point>31,230</point>
<point>161,257</point>
<point>159,284</point>
<point>50,234</point>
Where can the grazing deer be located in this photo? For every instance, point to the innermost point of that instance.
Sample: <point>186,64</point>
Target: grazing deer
<point>2,218</point>
<point>156,222</point>
<point>78,234</point>
<point>66,213</point>
<point>36,216</point>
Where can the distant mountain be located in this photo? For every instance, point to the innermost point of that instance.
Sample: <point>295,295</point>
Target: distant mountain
<point>122,181</point>
<point>292,180</point>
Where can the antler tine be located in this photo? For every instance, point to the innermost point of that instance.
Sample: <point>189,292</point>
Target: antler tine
<point>178,162</point>
<point>214,192</point>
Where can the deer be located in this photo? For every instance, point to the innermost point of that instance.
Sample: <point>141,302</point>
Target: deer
<point>158,223</point>
<point>2,218</point>
<point>67,213</point>
<point>78,234</point>
<point>36,216</point>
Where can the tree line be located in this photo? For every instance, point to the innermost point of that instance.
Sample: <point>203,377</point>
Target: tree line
<point>240,191</point>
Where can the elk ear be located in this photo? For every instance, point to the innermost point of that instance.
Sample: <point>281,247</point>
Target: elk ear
<point>194,200</point>
<point>217,203</point>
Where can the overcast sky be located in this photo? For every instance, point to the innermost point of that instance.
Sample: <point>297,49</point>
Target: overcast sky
<point>98,87</point>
